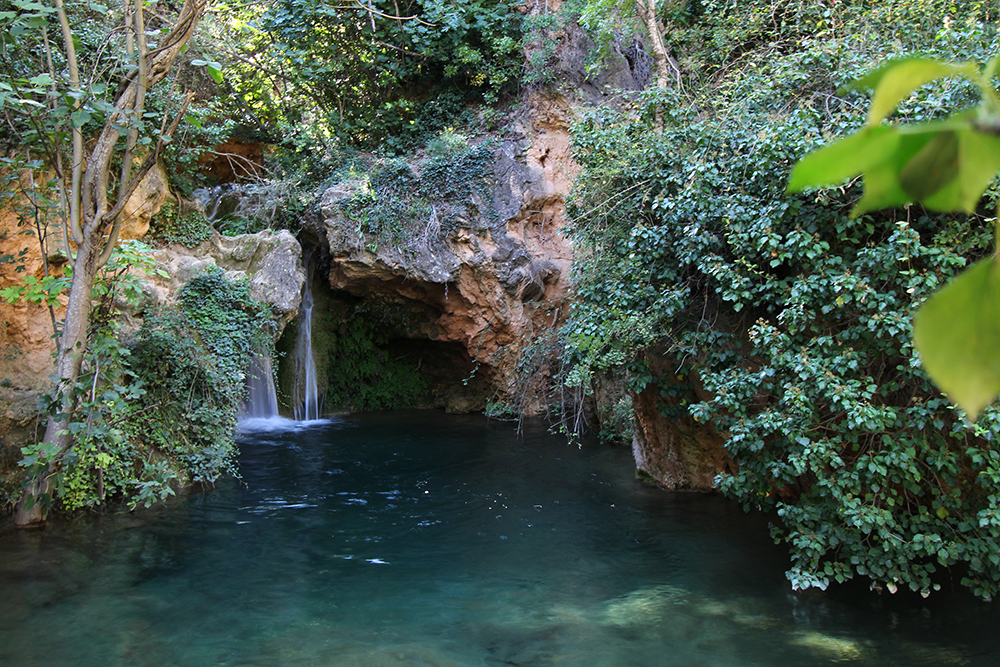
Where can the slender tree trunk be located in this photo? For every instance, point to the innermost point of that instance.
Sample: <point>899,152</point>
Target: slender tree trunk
<point>98,233</point>
<point>647,14</point>
<point>33,505</point>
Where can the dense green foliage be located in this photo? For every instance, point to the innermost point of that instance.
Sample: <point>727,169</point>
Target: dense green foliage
<point>159,409</point>
<point>365,372</point>
<point>35,90</point>
<point>317,77</point>
<point>944,166</point>
<point>791,315</point>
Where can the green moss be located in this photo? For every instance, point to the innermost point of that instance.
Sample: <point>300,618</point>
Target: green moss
<point>189,230</point>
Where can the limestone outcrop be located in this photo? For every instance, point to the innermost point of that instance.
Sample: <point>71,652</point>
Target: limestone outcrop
<point>270,261</point>
<point>489,277</point>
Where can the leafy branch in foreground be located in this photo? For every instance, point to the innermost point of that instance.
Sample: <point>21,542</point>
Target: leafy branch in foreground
<point>946,166</point>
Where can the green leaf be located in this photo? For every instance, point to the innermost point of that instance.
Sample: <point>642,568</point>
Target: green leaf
<point>895,81</point>
<point>79,118</point>
<point>215,71</point>
<point>979,163</point>
<point>881,180</point>
<point>933,166</point>
<point>957,332</point>
<point>833,164</point>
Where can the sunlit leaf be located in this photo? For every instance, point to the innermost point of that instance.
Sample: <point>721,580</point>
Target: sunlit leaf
<point>882,187</point>
<point>895,81</point>
<point>214,71</point>
<point>933,166</point>
<point>833,164</point>
<point>980,162</point>
<point>957,332</point>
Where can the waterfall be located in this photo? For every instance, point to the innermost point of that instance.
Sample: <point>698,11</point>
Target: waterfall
<point>306,395</point>
<point>262,399</point>
<point>210,199</point>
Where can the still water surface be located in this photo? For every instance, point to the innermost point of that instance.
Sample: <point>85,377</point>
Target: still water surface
<point>425,539</point>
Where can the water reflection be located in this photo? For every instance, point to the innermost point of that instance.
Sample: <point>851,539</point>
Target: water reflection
<point>425,539</point>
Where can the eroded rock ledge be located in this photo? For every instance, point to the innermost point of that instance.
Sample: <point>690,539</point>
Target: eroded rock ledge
<point>490,277</point>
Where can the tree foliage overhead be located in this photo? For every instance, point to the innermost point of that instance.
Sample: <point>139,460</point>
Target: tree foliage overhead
<point>791,317</point>
<point>363,72</point>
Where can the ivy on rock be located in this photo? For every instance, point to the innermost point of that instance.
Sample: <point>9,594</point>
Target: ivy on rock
<point>785,320</point>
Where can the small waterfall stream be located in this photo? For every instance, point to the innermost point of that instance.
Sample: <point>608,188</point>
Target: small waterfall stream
<point>307,400</point>
<point>262,398</point>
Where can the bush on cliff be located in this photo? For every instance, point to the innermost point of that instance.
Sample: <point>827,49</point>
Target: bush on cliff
<point>791,318</point>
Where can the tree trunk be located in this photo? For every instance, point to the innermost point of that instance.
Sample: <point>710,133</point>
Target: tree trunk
<point>666,67</point>
<point>72,345</point>
<point>99,233</point>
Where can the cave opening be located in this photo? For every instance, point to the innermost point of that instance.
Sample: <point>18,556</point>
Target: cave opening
<point>381,352</point>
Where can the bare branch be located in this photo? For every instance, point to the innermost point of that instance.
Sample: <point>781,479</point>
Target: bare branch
<point>116,212</point>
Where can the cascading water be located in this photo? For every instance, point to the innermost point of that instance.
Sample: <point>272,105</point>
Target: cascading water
<point>210,199</point>
<point>306,394</point>
<point>262,398</point>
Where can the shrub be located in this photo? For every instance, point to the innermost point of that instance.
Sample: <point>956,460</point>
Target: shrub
<point>793,317</point>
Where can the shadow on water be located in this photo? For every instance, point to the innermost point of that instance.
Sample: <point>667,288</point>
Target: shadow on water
<point>420,538</point>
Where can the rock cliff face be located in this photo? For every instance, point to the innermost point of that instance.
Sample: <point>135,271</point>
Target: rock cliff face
<point>676,453</point>
<point>26,336</point>
<point>491,278</point>
<point>271,261</point>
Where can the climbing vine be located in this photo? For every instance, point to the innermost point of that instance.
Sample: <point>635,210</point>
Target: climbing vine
<point>785,322</point>
<point>193,360</point>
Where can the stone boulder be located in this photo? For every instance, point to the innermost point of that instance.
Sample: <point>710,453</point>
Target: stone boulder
<point>270,261</point>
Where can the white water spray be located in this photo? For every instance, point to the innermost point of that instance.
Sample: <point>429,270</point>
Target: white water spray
<point>306,394</point>
<point>262,399</point>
